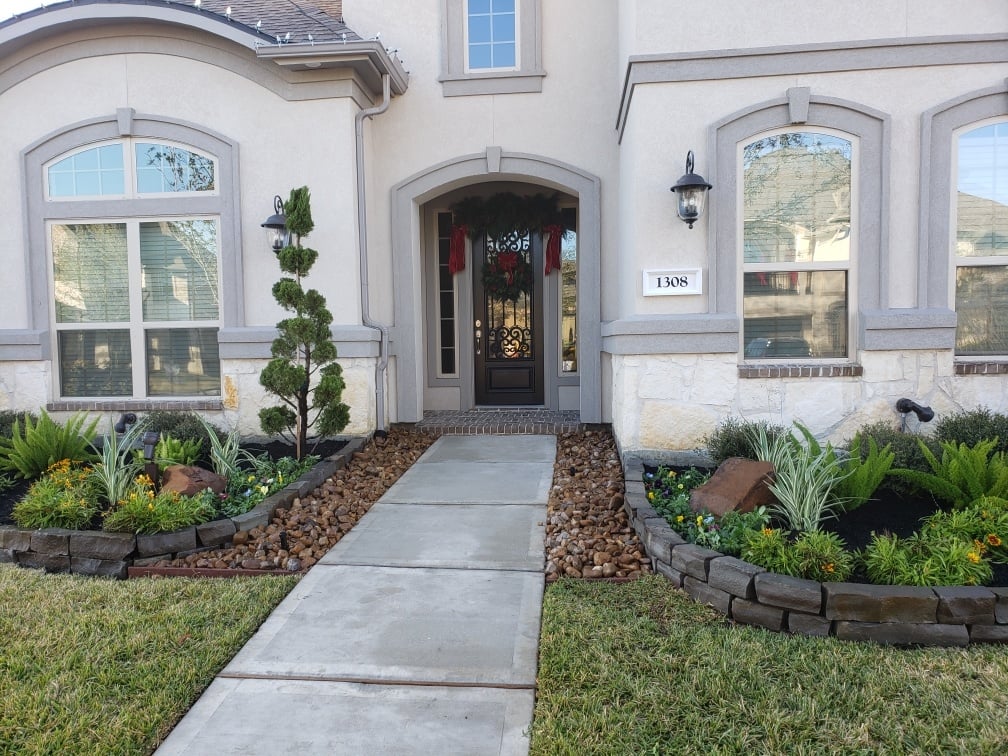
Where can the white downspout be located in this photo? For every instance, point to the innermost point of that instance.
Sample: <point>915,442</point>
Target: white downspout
<point>383,347</point>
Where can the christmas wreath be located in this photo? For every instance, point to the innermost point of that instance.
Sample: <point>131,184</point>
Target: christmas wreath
<point>507,275</point>
<point>505,214</point>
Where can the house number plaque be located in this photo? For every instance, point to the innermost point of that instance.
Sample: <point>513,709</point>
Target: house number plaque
<point>670,283</point>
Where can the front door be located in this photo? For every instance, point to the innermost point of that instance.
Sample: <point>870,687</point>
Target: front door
<point>508,320</point>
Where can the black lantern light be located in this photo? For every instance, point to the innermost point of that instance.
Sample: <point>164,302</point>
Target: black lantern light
<point>277,233</point>
<point>691,191</point>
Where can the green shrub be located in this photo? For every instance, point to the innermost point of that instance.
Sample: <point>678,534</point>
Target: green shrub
<point>173,451</point>
<point>8,418</point>
<point>64,497</point>
<point>247,489</point>
<point>45,443</point>
<point>733,437</point>
<point>814,555</point>
<point>970,427</point>
<point>926,560</point>
<point>864,473</point>
<point>963,474</point>
<point>144,511</point>
<point>185,426</point>
<point>905,447</point>
<point>984,523</point>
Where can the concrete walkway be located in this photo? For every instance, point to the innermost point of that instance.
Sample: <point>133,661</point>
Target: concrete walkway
<point>416,634</point>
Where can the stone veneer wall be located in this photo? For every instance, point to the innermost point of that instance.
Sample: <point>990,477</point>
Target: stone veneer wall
<point>672,401</point>
<point>749,595</point>
<point>91,552</point>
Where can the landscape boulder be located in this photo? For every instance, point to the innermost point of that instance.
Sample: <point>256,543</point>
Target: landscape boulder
<point>189,481</point>
<point>738,484</point>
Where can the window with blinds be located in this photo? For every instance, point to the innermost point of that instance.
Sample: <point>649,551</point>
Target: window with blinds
<point>981,242</point>
<point>796,245</point>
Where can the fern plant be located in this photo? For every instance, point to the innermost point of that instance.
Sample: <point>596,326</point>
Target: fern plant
<point>963,474</point>
<point>45,442</point>
<point>863,475</point>
<point>173,451</point>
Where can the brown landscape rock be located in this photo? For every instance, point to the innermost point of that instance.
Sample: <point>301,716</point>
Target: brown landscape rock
<point>738,484</point>
<point>189,481</point>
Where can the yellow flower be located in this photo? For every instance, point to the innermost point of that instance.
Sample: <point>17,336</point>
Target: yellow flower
<point>828,567</point>
<point>973,557</point>
<point>650,495</point>
<point>699,519</point>
<point>680,518</point>
<point>671,474</point>
<point>264,490</point>
<point>251,478</point>
<point>993,539</point>
<point>151,506</point>
<point>768,531</point>
<point>681,486</point>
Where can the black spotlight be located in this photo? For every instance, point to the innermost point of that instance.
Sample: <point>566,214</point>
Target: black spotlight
<point>924,414</point>
<point>125,420</point>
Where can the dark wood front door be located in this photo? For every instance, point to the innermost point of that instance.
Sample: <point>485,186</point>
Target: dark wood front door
<point>508,320</point>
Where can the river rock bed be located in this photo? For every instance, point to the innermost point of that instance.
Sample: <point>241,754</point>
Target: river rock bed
<point>588,534</point>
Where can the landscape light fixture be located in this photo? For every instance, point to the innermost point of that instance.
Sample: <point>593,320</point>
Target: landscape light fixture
<point>691,190</point>
<point>277,233</point>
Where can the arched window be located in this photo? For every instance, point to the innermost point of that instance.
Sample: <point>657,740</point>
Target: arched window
<point>136,231</point>
<point>981,240</point>
<point>796,244</point>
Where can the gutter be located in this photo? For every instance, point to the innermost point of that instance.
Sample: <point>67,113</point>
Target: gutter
<point>362,244</point>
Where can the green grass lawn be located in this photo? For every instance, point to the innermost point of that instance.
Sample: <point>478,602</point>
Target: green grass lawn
<point>108,667</point>
<point>638,668</point>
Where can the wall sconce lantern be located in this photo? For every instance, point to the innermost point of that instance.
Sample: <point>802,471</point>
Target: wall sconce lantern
<point>692,193</point>
<point>277,233</point>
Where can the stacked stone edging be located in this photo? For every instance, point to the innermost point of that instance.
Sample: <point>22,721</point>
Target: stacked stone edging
<point>748,594</point>
<point>93,552</point>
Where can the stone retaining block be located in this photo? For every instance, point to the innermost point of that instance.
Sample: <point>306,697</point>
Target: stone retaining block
<point>965,605</point>
<point>659,539</point>
<point>814,625</point>
<point>1001,608</point>
<point>692,560</point>
<point>748,612</point>
<point>15,539</point>
<point>43,561</point>
<point>704,594</point>
<point>904,633</point>
<point>166,543</point>
<point>87,544</point>
<point>51,541</point>
<point>989,634</point>
<point>99,567</point>
<point>215,533</point>
<point>734,576</point>
<point>880,603</point>
<point>789,592</point>
<point>673,576</point>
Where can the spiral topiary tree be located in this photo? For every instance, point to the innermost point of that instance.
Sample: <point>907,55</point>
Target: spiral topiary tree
<point>303,372</point>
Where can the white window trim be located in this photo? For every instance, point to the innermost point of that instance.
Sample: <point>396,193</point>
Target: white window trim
<point>850,266</point>
<point>130,180</point>
<point>518,42</point>
<point>456,78</point>
<point>136,325</point>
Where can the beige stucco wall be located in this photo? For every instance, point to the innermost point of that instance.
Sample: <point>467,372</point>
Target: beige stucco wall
<point>570,121</point>
<point>282,144</point>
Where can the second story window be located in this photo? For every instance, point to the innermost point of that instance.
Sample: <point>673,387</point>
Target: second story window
<point>491,27</point>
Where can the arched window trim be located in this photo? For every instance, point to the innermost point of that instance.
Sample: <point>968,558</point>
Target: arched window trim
<point>130,170</point>
<point>224,204</point>
<point>801,110</point>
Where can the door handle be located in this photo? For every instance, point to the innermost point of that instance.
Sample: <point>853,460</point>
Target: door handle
<point>479,338</point>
